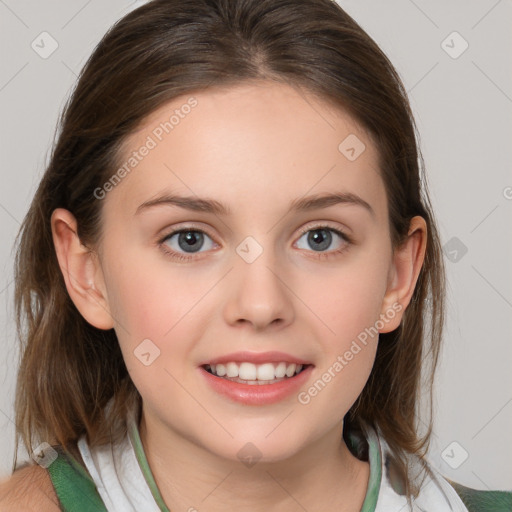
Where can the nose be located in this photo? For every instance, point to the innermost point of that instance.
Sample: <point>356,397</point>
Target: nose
<point>258,294</point>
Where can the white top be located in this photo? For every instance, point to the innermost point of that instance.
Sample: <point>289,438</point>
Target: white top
<point>125,483</point>
<point>118,477</point>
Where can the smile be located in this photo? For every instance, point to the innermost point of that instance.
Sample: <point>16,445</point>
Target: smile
<point>255,374</point>
<point>256,384</point>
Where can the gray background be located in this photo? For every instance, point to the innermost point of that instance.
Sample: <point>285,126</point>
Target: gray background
<point>463,107</point>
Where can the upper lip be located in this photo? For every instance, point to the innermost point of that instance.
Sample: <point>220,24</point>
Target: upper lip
<point>256,358</point>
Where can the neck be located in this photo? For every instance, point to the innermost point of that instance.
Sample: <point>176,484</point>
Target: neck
<point>323,476</point>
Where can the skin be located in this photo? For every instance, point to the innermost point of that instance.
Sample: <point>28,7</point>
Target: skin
<point>254,147</point>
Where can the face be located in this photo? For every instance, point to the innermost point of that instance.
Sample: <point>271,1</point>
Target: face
<point>250,269</point>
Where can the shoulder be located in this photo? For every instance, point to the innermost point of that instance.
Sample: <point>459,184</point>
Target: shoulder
<point>434,491</point>
<point>483,501</point>
<point>28,489</point>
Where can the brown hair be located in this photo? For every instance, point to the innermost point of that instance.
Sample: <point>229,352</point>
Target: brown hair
<point>166,48</point>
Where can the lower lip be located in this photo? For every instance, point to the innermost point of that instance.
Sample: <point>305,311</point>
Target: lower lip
<point>257,394</point>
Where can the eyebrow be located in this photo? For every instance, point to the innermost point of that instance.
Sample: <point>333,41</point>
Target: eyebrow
<point>303,204</point>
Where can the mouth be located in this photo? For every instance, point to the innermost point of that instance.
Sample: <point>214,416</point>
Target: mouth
<point>255,374</point>
<point>256,378</point>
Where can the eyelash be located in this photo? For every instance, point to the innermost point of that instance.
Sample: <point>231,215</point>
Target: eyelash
<point>320,255</point>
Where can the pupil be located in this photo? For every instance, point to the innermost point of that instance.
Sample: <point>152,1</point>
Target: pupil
<point>190,239</point>
<point>320,237</point>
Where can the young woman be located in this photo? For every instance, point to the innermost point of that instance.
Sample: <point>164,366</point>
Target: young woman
<point>223,278</point>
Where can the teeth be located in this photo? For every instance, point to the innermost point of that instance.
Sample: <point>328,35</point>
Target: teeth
<point>247,371</point>
<point>263,372</point>
<point>253,372</point>
<point>281,370</point>
<point>232,370</point>
<point>290,371</point>
<point>220,369</point>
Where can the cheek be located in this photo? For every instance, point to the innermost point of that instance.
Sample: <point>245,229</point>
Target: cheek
<point>349,307</point>
<point>149,299</point>
<point>162,304</point>
<point>348,297</point>
<point>152,303</point>
<point>348,300</point>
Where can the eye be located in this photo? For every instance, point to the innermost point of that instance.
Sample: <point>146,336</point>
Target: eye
<point>321,238</point>
<point>178,243</point>
<point>182,244</point>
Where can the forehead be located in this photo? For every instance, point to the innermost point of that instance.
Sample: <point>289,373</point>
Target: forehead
<point>262,143</point>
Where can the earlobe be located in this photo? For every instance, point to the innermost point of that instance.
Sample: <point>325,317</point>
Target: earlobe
<point>81,271</point>
<point>407,262</point>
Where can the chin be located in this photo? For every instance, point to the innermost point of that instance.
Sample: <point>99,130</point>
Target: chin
<point>252,450</point>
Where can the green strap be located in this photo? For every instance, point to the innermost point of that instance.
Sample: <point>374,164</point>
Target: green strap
<point>73,485</point>
<point>483,501</point>
<point>375,479</point>
<point>134,435</point>
<point>374,453</point>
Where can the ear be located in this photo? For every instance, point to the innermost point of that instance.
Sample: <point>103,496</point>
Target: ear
<point>81,270</point>
<point>405,269</point>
